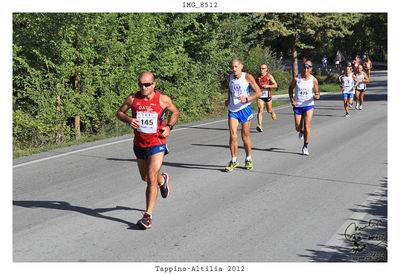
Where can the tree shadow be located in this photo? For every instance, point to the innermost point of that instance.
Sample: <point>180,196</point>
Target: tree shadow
<point>363,240</point>
<point>272,149</point>
<point>367,97</point>
<point>204,128</point>
<point>181,165</point>
<point>62,205</point>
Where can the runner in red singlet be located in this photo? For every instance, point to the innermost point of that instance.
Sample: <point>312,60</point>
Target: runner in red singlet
<point>150,144</point>
<point>265,81</point>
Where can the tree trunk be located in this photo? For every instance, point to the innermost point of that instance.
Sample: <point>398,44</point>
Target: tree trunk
<point>295,67</point>
<point>77,117</point>
<point>59,123</point>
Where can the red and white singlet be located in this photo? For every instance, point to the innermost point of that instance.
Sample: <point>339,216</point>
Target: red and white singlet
<point>151,119</point>
<point>263,80</point>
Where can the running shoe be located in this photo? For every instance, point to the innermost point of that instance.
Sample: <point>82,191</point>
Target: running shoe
<point>249,164</point>
<point>360,107</point>
<point>357,106</point>
<point>164,188</point>
<point>305,151</point>
<point>347,115</point>
<point>231,166</point>
<point>145,221</point>
<point>258,128</point>
<point>301,134</point>
<point>350,105</point>
<point>273,115</point>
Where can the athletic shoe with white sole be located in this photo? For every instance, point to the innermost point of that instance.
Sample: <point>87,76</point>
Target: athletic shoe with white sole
<point>145,221</point>
<point>248,164</point>
<point>305,151</point>
<point>164,188</point>
<point>231,166</point>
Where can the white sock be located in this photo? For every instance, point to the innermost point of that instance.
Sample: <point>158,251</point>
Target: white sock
<point>248,158</point>
<point>234,159</point>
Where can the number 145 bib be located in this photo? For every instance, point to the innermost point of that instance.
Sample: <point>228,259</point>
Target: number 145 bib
<point>147,121</point>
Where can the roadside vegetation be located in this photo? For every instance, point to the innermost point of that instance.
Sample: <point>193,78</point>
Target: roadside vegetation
<point>72,71</point>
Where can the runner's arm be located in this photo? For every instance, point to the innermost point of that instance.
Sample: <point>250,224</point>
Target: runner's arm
<point>291,87</point>
<point>274,84</point>
<point>257,92</point>
<point>366,78</point>
<point>166,102</point>
<point>121,113</point>
<point>316,90</point>
<point>356,82</point>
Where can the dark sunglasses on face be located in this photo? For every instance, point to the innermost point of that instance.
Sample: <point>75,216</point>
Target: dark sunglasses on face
<point>144,84</point>
<point>307,66</point>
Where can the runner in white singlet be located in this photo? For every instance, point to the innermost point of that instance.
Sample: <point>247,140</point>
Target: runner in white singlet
<point>239,100</point>
<point>303,102</point>
<point>362,78</point>
<point>348,83</point>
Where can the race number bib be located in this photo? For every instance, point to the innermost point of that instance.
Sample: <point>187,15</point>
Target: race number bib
<point>264,93</point>
<point>147,121</point>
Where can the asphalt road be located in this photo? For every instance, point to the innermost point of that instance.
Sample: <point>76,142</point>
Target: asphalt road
<point>80,204</point>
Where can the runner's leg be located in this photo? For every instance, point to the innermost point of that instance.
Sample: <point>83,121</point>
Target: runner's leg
<point>260,104</point>
<point>307,124</point>
<point>154,166</point>
<point>246,137</point>
<point>233,145</point>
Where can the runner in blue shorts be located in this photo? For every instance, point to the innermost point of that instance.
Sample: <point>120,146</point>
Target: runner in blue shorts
<point>303,102</point>
<point>238,102</point>
<point>348,82</point>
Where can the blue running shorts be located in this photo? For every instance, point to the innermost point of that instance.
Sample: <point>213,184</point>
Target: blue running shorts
<point>301,110</point>
<point>145,153</point>
<point>243,115</point>
<point>348,95</point>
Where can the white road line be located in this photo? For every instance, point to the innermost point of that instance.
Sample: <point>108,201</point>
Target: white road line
<point>112,143</point>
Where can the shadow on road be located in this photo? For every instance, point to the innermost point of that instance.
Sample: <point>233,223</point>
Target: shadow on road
<point>203,128</point>
<point>367,240</point>
<point>272,149</point>
<point>181,165</point>
<point>62,205</point>
<point>367,97</point>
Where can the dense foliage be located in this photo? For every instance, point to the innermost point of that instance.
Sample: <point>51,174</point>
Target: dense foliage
<point>72,71</point>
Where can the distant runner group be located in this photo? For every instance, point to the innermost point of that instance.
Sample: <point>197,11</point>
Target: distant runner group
<point>149,108</point>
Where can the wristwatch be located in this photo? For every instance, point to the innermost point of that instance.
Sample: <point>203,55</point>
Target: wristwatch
<point>170,126</point>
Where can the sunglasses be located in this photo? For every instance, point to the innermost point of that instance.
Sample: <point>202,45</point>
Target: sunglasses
<point>307,66</point>
<point>145,84</point>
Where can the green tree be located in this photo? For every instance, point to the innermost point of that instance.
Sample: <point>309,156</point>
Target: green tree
<point>304,30</point>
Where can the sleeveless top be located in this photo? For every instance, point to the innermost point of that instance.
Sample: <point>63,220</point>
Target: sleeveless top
<point>151,119</point>
<point>304,92</point>
<point>263,80</point>
<point>361,85</point>
<point>238,87</point>
<point>348,83</point>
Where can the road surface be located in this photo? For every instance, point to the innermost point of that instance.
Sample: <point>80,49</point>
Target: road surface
<point>81,204</point>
